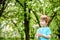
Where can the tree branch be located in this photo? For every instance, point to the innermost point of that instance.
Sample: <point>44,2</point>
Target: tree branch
<point>52,17</point>
<point>4,4</point>
<point>37,18</point>
<point>2,9</point>
<point>19,3</point>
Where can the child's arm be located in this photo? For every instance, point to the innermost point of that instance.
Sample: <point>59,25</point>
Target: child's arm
<point>41,35</point>
<point>48,36</point>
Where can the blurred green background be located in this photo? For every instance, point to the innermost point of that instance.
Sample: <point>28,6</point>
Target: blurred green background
<point>19,19</point>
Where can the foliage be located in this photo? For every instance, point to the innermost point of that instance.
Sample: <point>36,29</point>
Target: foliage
<point>12,19</point>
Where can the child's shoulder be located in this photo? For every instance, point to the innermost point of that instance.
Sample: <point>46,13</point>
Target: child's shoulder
<point>48,28</point>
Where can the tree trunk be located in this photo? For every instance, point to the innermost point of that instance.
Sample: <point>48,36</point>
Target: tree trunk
<point>26,22</point>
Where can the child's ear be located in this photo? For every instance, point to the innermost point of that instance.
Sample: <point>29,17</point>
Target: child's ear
<point>46,23</point>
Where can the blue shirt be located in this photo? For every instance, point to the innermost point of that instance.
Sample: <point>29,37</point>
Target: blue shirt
<point>45,31</point>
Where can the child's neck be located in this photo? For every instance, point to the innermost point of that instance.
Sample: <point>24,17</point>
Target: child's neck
<point>44,26</point>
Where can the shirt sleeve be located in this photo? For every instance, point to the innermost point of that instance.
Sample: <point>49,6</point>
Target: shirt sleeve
<point>48,31</point>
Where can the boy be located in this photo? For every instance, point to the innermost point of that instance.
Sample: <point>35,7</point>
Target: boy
<point>44,32</point>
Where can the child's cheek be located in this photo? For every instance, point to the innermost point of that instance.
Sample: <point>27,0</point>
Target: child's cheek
<point>42,23</point>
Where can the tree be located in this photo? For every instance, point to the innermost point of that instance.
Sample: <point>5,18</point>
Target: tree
<point>21,15</point>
